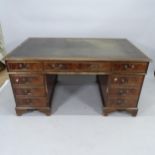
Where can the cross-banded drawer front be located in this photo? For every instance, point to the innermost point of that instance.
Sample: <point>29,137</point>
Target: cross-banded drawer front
<point>30,91</point>
<point>31,102</point>
<point>122,102</point>
<point>130,81</point>
<point>124,92</point>
<point>24,66</point>
<point>27,79</point>
<point>77,66</point>
<point>127,67</point>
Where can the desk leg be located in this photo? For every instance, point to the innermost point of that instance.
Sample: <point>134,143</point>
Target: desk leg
<point>50,84</point>
<point>102,83</point>
<point>20,111</point>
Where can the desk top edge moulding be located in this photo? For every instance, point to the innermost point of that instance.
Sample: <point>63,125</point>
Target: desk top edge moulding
<point>119,67</point>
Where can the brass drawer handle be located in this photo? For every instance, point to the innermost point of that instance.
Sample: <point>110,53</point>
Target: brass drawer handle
<point>60,65</point>
<point>120,101</point>
<point>53,65</point>
<point>129,66</point>
<point>27,92</point>
<point>56,66</point>
<point>23,79</point>
<point>123,92</point>
<point>115,79</point>
<point>121,80</point>
<point>20,66</point>
<point>27,80</point>
<point>124,80</point>
<point>23,66</point>
<point>93,66</point>
<point>126,66</point>
<point>28,101</point>
<point>17,80</point>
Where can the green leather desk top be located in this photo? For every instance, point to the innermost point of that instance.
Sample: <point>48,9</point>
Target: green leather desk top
<point>77,49</point>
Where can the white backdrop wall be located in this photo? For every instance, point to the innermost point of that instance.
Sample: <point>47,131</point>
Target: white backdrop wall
<point>131,19</point>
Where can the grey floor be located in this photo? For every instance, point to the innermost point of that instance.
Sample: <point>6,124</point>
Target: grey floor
<point>77,126</point>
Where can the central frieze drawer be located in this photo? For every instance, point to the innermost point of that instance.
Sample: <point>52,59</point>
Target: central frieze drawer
<point>30,91</point>
<point>31,102</point>
<point>27,79</point>
<point>78,66</point>
<point>24,66</point>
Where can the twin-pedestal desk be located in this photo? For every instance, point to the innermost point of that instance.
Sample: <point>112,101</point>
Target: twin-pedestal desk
<point>119,67</point>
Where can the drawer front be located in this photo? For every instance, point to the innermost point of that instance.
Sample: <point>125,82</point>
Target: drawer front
<point>24,66</point>
<point>129,67</point>
<point>30,91</point>
<point>122,81</point>
<point>122,102</point>
<point>27,80</point>
<point>31,102</point>
<point>78,66</point>
<point>125,92</point>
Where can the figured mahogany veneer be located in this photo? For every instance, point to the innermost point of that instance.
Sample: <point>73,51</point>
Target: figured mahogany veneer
<point>120,68</point>
<point>126,80</point>
<point>129,92</point>
<point>25,66</point>
<point>32,102</point>
<point>126,67</point>
<point>27,79</point>
<point>30,91</point>
<point>77,66</point>
<point>119,102</point>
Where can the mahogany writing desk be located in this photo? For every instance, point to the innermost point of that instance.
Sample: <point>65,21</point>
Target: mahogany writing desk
<point>119,66</point>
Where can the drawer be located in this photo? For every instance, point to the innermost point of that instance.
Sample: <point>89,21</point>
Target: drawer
<point>122,102</point>
<point>24,66</point>
<point>31,102</point>
<point>129,67</point>
<point>30,91</point>
<point>78,66</point>
<point>27,79</point>
<point>125,92</point>
<point>122,81</point>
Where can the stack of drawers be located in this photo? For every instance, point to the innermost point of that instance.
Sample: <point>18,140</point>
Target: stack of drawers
<point>29,86</point>
<point>121,91</point>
